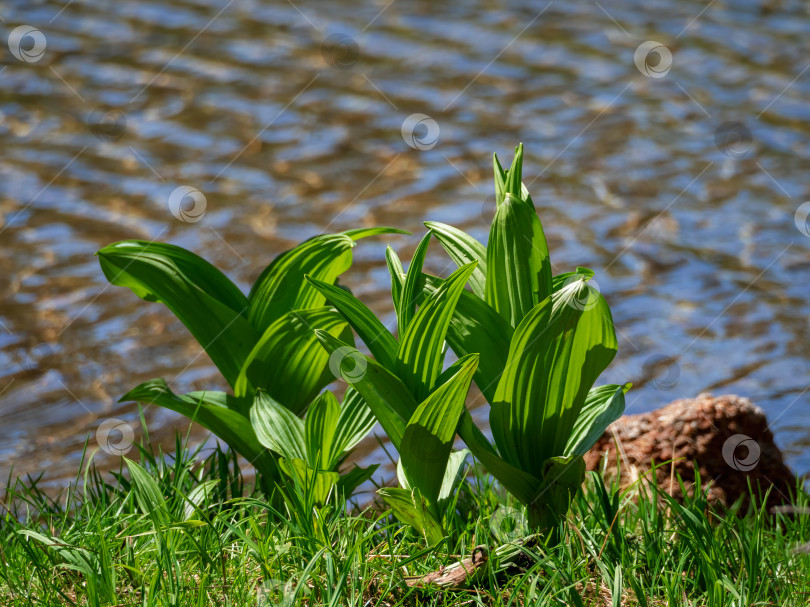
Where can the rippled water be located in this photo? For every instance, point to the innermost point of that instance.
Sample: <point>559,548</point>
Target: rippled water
<point>689,224</point>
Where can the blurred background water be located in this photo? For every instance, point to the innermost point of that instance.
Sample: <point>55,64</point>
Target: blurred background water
<point>675,172</point>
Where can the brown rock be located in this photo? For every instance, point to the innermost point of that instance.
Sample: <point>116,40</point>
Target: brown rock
<point>726,438</point>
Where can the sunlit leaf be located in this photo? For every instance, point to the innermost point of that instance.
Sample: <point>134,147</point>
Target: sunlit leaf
<point>281,287</point>
<point>603,406</point>
<point>288,362</point>
<point>518,265</point>
<point>463,249</point>
<point>557,352</point>
<point>199,295</point>
<point>378,340</point>
<point>277,428</point>
<point>411,508</point>
<point>421,353</point>
<point>320,426</point>
<point>429,435</point>
<point>410,287</point>
<point>476,328</point>
<point>385,394</point>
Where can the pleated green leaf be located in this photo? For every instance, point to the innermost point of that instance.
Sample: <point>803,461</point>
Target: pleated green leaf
<point>200,296</point>
<point>214,411</point>
<point>453,474</point>
<point>556,354</point>
<point>380,342</point>
<point>198,496</point>
<point>518,266</point>
<point>355,421</point>
<point>513,180</point>
<point>421,348</point>
<point>397,276</point>
<point>410,286</point>
<point>358,233</point>
<point>428,437</point>
<point>500,180</point>
<point>412,509</point>
<point>463,249</point>
<point>603,406</point>
<point>476,327</point>
<point>281,287</point>
<point>385,394</point>
<point>288,362</point>
<point>510,181</point>
<point>277,428</point>
<point>320,426</point>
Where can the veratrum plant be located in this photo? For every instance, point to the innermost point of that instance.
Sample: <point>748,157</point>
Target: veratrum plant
<point>417,404</point>
<point>264,346</point>
<point>543,341</point>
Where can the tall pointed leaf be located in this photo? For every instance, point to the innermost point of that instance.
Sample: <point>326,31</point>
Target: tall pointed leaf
<point>384,393</point>
<point>500,180</point>
<point>320,426</point>
<point>421,353</point>
<point>603,406</point>
<point>380,342</point>
<point>429,435</point>
<point>198,294</point>
<point>354,423</point>
<point>556,355</point>
<point>410,287</point>
<point>514,176</point>
<point>476,327</point>
<point>288,362</point>
<point>463,249</point>
<point>518,265</point>
<point>397,276</point>
<point>277,428</point>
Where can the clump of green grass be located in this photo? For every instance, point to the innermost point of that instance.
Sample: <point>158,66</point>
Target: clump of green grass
<point>186,529</point>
